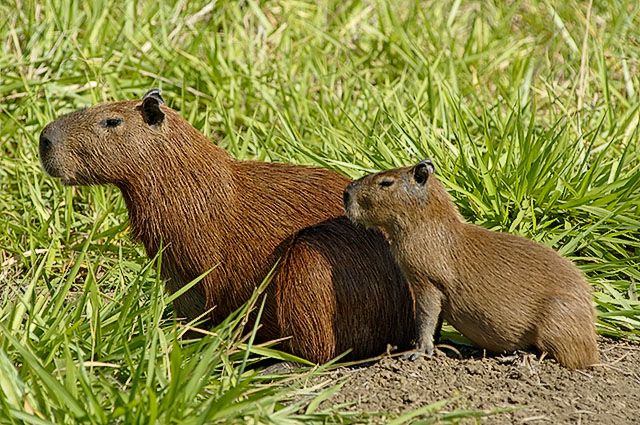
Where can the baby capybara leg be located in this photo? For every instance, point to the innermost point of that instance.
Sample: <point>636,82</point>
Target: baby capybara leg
<point>428,321</point>
<point>567,332</point>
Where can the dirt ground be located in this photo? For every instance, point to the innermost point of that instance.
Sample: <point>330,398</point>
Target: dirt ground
<point>541,391</point>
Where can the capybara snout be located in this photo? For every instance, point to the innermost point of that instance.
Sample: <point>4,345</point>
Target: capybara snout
<point>51,147</point>
<point>45,143</point>
<point>45,147</point>
<point>346,195</point>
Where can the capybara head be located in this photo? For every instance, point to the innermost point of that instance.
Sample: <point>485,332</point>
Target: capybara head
<point>105,143</point>
<point>380,200</point>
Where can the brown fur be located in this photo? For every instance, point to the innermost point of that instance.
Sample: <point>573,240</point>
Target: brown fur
<point>337,286</point>
<point>502,291</point>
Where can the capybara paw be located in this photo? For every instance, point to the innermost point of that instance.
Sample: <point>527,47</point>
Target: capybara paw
<point>415,354</point>
<point>412,355</point>
<point>425,347</point>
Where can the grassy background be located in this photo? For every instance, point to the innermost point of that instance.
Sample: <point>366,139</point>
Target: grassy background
<point>529,108</point>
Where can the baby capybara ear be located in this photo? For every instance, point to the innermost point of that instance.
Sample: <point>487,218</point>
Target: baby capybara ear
<point>422,170</point>
<point>150,107</point>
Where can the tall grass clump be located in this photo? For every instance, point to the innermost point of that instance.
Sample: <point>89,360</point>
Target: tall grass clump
<point>529,109</point>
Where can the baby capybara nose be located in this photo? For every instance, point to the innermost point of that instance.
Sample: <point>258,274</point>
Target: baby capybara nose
<point>346,195</point>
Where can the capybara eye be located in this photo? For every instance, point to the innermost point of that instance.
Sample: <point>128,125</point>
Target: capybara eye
<point>111,122</point>
<point>386,183</point>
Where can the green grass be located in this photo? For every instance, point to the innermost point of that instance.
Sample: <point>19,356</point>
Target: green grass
<point>529,109</point>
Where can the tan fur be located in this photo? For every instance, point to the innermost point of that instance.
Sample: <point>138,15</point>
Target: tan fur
<point>337,286</point>
<point>502,291</point>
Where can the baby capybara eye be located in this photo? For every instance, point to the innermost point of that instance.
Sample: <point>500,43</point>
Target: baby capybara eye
<point>111,122</point>
<point>386,183</point>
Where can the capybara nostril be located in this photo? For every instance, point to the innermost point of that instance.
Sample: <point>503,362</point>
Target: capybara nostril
<point>45,144</point>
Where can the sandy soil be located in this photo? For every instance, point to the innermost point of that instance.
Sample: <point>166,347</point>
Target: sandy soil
<point>541,391</point>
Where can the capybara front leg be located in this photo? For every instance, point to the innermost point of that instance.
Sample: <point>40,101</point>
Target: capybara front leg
<point>428,306</point>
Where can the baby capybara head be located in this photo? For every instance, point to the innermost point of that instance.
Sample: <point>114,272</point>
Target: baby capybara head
<point>105,143</point>
<point>380,200</point>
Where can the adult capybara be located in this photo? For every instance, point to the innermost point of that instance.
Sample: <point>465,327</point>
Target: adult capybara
<point>503,292</point>
<point>336,286</point>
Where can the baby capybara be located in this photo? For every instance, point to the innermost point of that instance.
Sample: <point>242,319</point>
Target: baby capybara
<point>336,286</point>
<point>503,292</point>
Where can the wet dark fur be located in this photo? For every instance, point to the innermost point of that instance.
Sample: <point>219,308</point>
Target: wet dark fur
<point>337,286</point>
<point>503,292</point>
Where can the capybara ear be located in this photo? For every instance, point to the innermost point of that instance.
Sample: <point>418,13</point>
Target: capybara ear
<point>422,170</point>
<point>150,107</point>
<point>155,93</point>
